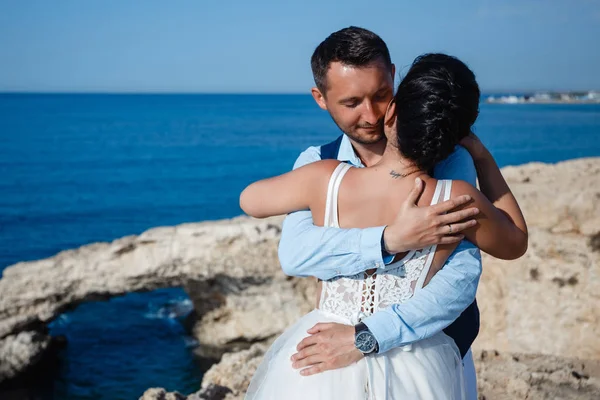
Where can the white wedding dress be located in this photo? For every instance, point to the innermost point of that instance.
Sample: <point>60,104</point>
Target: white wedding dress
<point>428,369</point>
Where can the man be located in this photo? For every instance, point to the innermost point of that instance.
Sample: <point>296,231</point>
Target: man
<point>354,80</point>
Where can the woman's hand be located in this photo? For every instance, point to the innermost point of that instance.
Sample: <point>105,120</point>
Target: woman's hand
<point>475,147</point>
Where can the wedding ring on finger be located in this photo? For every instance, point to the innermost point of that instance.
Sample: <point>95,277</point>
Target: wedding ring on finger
<point>450,227</point>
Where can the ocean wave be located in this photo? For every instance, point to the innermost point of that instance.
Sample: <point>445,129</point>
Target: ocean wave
<point>173,309</point>
<point>61,321</point>
<point>190,342</point>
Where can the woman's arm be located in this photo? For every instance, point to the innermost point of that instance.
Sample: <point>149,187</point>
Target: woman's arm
<point>501,230</point>
<point>293,191</point>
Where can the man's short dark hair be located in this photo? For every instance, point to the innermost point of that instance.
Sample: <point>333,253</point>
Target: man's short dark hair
<point>352,46</point>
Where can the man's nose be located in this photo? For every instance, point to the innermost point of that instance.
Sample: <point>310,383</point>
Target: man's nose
<point>371,114</point>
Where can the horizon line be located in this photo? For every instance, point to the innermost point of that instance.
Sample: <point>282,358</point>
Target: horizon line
<point>167,93</point>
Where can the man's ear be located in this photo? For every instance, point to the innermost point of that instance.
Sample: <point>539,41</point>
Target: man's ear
<point>319,98</point>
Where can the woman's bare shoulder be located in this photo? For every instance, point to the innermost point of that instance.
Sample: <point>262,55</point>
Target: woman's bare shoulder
<point>429,184</point>
<point>462,187</point>
<point>319,167</point>
<point>327,165</point>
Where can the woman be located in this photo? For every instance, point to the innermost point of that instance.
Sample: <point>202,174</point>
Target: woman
<point>434,109</point>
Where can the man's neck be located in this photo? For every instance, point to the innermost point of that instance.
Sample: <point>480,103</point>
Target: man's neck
<point>394,160</point>
<point>369,154</point>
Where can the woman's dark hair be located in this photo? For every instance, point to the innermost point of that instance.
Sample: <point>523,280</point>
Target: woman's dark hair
<point>352,46</point>
<point>437,103</point>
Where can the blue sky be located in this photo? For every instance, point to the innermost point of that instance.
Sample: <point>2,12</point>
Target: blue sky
<point>265,46</point>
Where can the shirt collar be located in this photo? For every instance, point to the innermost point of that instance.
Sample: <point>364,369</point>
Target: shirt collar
<point>347,153</point>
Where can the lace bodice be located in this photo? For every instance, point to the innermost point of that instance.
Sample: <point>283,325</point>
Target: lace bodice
<point>357,296</point>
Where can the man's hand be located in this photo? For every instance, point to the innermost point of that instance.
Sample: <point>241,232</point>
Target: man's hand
<point>329,346</point>
<point>418,227</point>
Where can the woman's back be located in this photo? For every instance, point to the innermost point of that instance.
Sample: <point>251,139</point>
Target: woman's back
<point>363,294</point>
<point>370,197</point>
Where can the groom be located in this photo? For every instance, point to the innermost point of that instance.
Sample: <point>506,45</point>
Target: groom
<point>354,79</point>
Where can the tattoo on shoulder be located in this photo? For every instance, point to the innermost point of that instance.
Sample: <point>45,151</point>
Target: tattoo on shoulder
<point>396,175</point>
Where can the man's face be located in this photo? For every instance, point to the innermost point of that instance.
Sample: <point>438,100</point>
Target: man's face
<point>357,99</point>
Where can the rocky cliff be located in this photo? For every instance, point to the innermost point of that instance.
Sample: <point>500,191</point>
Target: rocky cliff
<point>540,319</point>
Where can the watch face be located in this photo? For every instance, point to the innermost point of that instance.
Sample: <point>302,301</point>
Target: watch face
<point>365,342</point>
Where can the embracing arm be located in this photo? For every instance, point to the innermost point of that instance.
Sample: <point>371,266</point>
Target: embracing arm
<point>309,250</point>
<point>501,230</point>
<point>296,190</point>
<point>451,290</point>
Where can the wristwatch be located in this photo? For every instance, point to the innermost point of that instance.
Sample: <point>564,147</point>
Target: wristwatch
<point>364,340</point>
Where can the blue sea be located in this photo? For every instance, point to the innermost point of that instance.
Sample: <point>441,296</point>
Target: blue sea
<point>76,169</point>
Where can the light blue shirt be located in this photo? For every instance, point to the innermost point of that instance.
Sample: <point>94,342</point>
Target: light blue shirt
<point>323,252</point>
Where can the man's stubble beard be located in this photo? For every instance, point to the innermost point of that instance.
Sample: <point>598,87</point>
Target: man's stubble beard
<point>358,138</point>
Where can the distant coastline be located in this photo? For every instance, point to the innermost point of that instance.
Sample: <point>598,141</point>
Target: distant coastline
<point>580,97</point>
<point>538,97</point>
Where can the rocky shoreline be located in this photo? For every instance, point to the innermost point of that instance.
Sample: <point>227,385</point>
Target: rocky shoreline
<point>540,320</point>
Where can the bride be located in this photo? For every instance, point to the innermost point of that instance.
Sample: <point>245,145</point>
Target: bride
<point>433,110</point>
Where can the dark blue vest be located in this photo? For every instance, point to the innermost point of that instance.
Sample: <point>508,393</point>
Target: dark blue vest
<point>330,151</point>
<point>466,327</point>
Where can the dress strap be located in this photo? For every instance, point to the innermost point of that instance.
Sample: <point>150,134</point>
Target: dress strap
<point>333,189</point>
<point>443,190</point>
